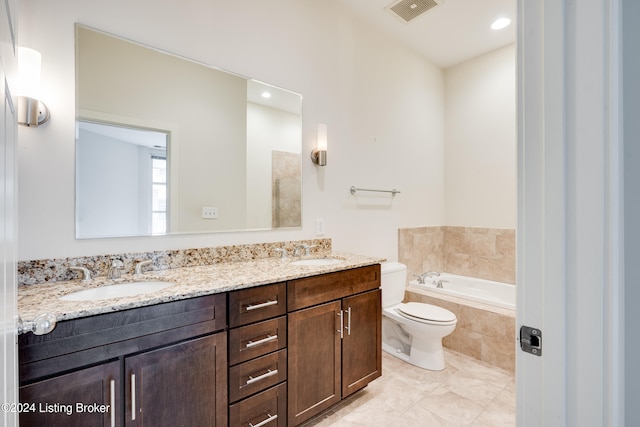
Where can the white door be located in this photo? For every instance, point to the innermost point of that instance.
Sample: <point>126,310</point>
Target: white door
<point>8,206</point>
<point>569,228</point>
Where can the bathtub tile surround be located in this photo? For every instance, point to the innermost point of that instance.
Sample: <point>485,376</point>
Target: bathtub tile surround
<point>485,253</point>
<point>56,270</point>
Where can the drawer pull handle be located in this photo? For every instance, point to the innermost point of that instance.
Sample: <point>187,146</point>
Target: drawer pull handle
<point>267,421</point>
<point>269,338</point>
<point>267,374</point>
<point>133,397</point>
<point>261,305</point>
<point>341,330</point>
<point>112,396</point>
<point>348,328</point>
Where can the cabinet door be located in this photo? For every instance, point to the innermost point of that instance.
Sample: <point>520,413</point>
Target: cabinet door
<point>88,397</point>
<point>180,385</point>
<point>314,361</point>
<point>362,342</point>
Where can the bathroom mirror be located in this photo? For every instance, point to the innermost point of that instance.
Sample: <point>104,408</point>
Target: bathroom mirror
<point>168,145</point>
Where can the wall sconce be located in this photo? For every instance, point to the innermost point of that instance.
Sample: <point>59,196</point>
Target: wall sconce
<point>31,111</point>
<point>319,154</point>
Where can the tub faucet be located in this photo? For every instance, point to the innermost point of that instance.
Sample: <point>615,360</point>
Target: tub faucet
<point>114,270</point>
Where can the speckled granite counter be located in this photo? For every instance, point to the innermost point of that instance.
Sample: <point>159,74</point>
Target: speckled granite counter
<point>189,282</point>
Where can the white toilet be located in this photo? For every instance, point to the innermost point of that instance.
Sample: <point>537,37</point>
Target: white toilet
<point>413,331</point>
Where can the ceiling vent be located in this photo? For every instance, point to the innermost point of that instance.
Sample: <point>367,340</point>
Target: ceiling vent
<point>408,10</point>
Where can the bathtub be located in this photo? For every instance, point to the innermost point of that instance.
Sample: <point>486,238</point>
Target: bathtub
<point>485,291</point>
<point>485,310</point>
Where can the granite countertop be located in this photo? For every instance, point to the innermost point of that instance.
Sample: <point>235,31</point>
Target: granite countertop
<point>189,282</point>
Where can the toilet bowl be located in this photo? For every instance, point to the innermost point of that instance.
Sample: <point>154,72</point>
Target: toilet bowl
<point>412,331</point>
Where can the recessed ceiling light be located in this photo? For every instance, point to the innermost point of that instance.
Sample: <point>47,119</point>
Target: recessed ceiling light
<point>500,23</point>
<point>266,94</point>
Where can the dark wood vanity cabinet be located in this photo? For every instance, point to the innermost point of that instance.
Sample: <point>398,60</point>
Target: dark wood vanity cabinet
<point>151,366</point>
<point>335,347</point>
<point>271,355</point>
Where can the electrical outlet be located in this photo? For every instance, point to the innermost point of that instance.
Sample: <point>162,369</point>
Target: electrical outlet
<point>319,226</point>
<point>209,213</point>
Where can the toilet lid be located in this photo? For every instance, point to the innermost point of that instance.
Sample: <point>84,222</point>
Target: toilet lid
<point>427,312</point>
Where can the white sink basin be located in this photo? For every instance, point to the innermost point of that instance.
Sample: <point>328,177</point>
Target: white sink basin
<point>317,261</point>
<point>116,291</point>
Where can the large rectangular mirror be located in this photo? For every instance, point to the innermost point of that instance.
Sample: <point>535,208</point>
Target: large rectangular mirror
<point>168,145</point>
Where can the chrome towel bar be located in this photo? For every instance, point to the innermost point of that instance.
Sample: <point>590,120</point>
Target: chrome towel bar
<point>393,192</point>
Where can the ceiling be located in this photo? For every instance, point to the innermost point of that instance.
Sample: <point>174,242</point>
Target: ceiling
<point>450,33</point>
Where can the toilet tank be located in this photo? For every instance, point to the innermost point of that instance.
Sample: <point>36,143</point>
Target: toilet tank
<point>392,281</point>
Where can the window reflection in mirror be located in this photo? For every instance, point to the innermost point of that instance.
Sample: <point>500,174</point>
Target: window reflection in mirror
<point>121,177</point>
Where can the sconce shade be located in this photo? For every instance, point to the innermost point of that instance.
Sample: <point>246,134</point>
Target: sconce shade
<point>319,154</point>
<point>31,111</point>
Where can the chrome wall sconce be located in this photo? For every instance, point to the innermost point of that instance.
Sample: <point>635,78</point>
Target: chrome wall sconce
<point>31,111</point>
<point>319,154</point>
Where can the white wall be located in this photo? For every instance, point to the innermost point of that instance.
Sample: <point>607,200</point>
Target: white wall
<point>480,141</point>
<point>383,105</point>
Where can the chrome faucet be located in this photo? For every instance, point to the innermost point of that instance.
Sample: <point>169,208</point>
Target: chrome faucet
<point>137,270</point>
<point>439,283</point>
<point>114,270</point>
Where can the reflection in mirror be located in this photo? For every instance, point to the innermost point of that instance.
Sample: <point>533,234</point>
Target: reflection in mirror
<point>168,145</point>
<point>121,180</point>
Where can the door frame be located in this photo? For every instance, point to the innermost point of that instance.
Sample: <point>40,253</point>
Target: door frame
<point>570,226</point>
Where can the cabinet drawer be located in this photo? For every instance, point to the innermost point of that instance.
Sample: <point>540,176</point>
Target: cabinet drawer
<point>256,304</point>
<point>268,408</point>
<point>257,339</point>
<point>309,291</point>
<point>256,375</point>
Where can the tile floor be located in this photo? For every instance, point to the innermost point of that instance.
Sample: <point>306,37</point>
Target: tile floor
<point>466,393</point>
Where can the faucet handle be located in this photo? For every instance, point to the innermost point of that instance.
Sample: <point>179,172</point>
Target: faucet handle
<point>86,274</point>
<point>137,270</point>
<point>420,278</point>
<point>302,246</point>
<point>283,252</point>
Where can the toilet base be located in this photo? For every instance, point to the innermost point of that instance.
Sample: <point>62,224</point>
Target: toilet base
<point>431,359</point>
<point>427,354</point>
